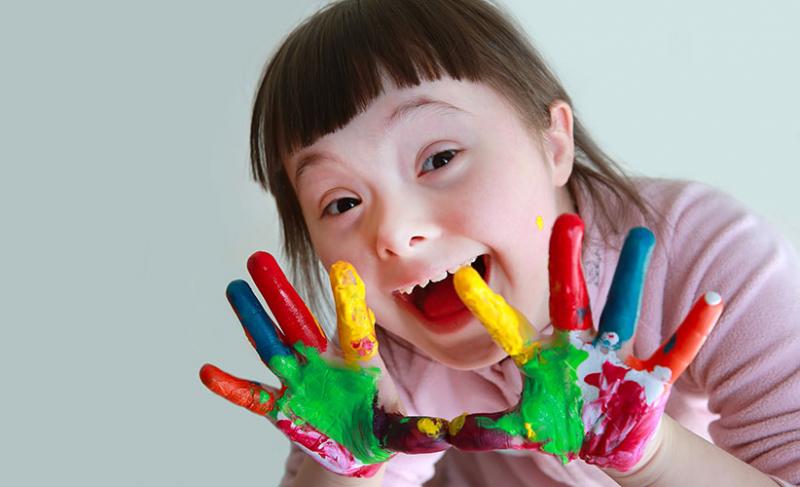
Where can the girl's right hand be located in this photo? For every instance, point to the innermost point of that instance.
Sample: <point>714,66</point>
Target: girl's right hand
<point>344,413</point>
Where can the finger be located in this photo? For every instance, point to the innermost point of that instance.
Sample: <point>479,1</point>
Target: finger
<point>507,326</point>
<point>411,434</point>
<point>569,300</point>
<point>356,322</point>
<point>253,396</point>
<point>469,432</point>
<point>680,349</point>
<point>258,326</point>
<point>621,312</point>
<point>294,317</point>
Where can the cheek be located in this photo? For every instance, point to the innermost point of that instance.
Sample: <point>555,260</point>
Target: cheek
<point>330,250</point>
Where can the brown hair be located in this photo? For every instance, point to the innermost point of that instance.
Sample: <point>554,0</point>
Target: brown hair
<point>329,69</point>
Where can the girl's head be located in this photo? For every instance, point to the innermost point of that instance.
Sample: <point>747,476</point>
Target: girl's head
<point>410,136</point>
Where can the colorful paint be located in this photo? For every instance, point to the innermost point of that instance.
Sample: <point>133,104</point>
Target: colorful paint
<point>297,322</point>
<point>549,414</point>
<point>343,412</point>
<point>329,410</point>
<point>580,398</point>
<point>569,299</point>
<point>356,321</point>
<point>621,313</point>
<point>549,411</point>
<point>507,326</point>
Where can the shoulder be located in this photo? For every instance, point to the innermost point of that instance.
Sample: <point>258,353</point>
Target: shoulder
<point>702,229</point>
<point>677,201</point>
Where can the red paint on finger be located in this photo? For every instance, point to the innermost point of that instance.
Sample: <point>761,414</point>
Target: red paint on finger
<point>363,347</point>
<point>569,299</point>
<point>291,313</point>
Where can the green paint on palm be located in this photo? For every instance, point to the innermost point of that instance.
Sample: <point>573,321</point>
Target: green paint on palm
<point>550,403</point>
<point>337,401</point>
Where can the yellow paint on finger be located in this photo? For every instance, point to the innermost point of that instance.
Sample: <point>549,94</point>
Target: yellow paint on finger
<point>531,435</point>
<point>539,222</point>
<point>507,327</point>
<point>432,427</point>
<point>456,424</point>
<point>356,322</point>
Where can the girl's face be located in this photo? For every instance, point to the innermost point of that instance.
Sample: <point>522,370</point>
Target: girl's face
<point>429,178</point>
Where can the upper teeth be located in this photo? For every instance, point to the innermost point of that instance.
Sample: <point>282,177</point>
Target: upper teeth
<point>438,277</point>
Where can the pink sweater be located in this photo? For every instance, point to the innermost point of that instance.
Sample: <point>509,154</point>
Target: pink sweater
<point>742,391</point>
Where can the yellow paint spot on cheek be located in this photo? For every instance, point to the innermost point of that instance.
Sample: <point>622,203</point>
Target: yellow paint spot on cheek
<point>456,424</point>
<point>539,222</point>
<point>431,427</point>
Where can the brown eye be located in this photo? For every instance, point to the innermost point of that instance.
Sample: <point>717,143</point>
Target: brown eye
<point>440,159</point>
<point>341,205</point>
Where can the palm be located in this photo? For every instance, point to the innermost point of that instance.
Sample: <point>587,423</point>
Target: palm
<point>583,395</point>
<point>328,407</point>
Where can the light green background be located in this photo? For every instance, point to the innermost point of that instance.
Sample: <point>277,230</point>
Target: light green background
<point>127,205</point>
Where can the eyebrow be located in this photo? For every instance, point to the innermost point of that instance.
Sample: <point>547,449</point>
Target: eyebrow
<point>401,114</point>
<point>404,111</point>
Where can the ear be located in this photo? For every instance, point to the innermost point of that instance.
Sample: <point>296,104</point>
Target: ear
<point>559,145</point>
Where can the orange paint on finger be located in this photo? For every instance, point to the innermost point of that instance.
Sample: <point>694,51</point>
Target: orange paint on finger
<point>681,348</point>
<point>247,394</point>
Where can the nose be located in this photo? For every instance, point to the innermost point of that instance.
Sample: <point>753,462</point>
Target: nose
<point>403,226</point>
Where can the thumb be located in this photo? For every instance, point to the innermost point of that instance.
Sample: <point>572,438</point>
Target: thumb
<point>356,328</point>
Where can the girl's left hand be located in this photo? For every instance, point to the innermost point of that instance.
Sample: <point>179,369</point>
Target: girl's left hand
<point>584,394</point>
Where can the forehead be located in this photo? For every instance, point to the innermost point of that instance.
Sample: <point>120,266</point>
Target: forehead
<point>396,107</point>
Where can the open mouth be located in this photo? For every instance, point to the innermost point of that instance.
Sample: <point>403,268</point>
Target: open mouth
<point>437,304</point>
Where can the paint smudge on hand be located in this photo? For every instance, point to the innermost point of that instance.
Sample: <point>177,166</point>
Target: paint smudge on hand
<point>356,320</point>
<point>329,410</point>
<point>508,327</point>
<point>579,397</point>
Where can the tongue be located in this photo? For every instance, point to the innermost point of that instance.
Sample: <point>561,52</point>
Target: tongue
<point>438,299</point>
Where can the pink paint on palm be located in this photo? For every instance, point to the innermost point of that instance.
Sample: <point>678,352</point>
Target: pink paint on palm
<point>326,451</point>
<point>624,415</point>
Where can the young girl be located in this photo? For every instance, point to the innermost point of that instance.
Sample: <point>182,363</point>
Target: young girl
<point>412,137</point>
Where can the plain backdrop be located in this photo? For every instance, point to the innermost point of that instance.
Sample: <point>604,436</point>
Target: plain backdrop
<point>127,204</point>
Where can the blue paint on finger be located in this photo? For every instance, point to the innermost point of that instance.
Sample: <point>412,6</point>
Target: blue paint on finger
<point>671,343</point>
<point>621,312</point>
<point>256,322</point>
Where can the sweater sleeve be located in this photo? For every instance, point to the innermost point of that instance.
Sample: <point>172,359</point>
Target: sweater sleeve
<point>750,365</point>
<point>402,470</point>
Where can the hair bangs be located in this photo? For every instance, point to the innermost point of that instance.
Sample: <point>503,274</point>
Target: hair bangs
<point>331,67</point>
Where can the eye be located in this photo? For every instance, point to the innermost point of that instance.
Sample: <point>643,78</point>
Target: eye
<point>340,205</point>
<point>440,159</point>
